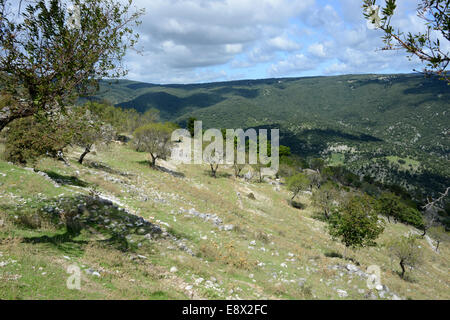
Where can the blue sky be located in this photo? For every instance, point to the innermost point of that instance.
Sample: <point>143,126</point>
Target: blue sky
<point>191,41</point>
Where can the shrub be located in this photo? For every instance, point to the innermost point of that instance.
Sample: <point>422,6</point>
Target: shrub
<point>356,223</point>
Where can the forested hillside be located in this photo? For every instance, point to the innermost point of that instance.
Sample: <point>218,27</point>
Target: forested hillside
<point>394,128</point>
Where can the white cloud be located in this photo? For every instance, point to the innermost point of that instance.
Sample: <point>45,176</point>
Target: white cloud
<point>233,48</point>
<point>292,64</point>
<point>190,40</point>
<point>318,50</point>
<point>283,43</point>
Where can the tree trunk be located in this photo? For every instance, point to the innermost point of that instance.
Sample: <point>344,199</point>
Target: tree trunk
<point>213,170</point>
<point>86,151</point>
<point>60,156</point>
<point>424,232</point>
<point>153,162</point>
<point>403,268</point>
<point>437,245</point>
<point>9,113</point>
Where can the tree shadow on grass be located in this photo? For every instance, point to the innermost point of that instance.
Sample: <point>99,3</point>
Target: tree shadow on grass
<point>162,169</point>
<point>333,254</point>
<point>66,180</point>
<point>407,277</point>
<point>64,242</point>
<point>103,167</point>
<point>297,204</point>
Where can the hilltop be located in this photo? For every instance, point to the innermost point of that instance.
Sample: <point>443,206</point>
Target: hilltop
<point>178,233</point>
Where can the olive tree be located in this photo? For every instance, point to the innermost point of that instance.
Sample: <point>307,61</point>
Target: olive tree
<point>48,57</point>
<point>155,138</point>
<point>325,198</point>
<point>297,183</point>
<point>406,250</point>
<point>431,46</point>
<point>439,234</point>
<point>89,130</point>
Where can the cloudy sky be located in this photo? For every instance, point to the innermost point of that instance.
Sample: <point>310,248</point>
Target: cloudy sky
<point>191,41</point>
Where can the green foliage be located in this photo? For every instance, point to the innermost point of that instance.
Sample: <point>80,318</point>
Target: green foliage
<point>123,120</point>
<point>46,61</point>
<point>190,125</point>
<point>297,183</point>
<point>326,198</point>
<point>317,164</point>
<point>439,234</point>
<point>411,216</point>
<point>406,250</point>
<point>371,114</point>
<point>390,206</point>
<point>88,129</point>
<point>30,138</point>
<point>284,151</point>
<point>435,16</point>
<point>155,138</point>
<point>393,207</point>
<point>356,222</point>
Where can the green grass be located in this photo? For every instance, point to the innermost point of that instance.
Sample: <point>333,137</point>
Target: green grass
<point>225,258</point>
<point>336,159</point>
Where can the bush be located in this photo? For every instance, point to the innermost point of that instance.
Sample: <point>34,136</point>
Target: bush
<point>356,223</point>
<point>31,138</point>
<point>412,217</point>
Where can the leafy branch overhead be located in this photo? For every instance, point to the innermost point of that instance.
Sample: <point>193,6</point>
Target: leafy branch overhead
<point>46,59</point>
<point>430,46</point>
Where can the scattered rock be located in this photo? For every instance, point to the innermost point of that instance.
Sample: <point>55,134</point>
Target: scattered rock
<point>173,269</point>
<point>352,268</point>
<point>301,282</point>
<point>228,227</point>
<point>370,296</point>
<point>342,293</point>
<point>93,273</point>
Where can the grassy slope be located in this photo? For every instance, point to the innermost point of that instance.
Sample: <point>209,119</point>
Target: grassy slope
<point>288,236</point>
